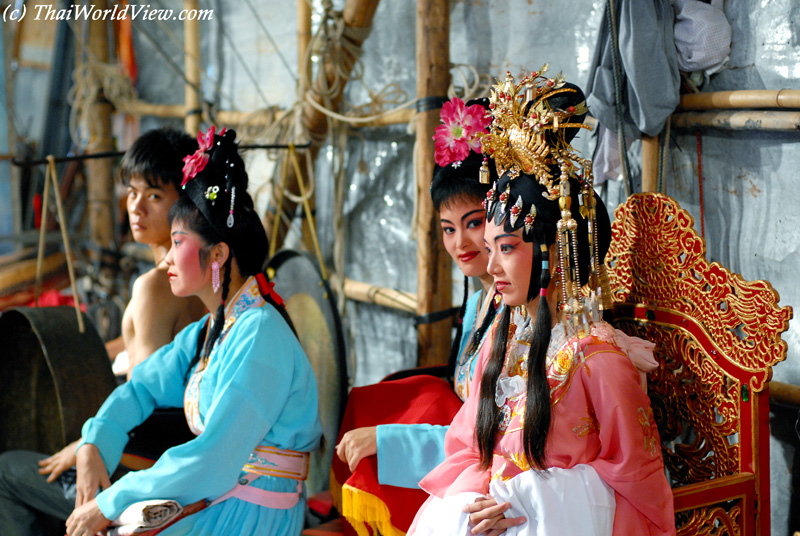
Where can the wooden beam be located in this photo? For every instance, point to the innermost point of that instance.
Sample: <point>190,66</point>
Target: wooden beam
<point>433,262</point>
<point>100,182</point>
<point>191,45</point>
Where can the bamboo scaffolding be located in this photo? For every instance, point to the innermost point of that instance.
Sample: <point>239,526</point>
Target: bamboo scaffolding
<point>751,98</point>
<point>433,263</point>
<point>356,14</point>
<point>738,120</point>
<point>191,42</point>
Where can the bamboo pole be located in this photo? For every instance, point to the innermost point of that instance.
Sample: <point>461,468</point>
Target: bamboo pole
<point>751,98</point>
<point>738,120</point>
<point>784,394</point>
<point>231,117</point>
<point>222,117</point>
<point>649,163</point>
<point>356,14</point>
<point>100,183</point>
<point>433,263</point>
<point>385,297</point>
<point>309,202</point>
<point>303,32</point>
<point>140,108</point>
<point>398,117</point>
<point>191,44</point>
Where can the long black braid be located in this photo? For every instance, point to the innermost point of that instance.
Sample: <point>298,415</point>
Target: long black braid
<point>537,404</point>
<point>488,412</point>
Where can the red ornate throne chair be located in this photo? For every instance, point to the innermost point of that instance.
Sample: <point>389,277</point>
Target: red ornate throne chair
<point>717,338</point>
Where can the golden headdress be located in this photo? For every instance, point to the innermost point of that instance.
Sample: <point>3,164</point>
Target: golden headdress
<point>533,122</point>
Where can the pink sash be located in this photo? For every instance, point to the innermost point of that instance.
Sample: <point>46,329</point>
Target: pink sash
<point>274,462</point>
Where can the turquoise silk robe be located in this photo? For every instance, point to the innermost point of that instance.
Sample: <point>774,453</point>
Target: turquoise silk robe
<point>421,446</point>
<point>257,388</point>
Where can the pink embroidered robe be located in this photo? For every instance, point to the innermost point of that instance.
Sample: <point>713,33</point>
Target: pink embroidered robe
<point>600,417</point>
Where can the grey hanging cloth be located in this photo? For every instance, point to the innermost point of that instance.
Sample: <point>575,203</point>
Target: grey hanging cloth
<point>649,63</point>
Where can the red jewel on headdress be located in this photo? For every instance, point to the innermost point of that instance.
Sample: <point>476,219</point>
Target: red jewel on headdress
<point>571,109</point>
<point>528,220</point>
<point>550,83</point>
<point>503,197</point>
<point>515,210</point>
<point>490,194</point>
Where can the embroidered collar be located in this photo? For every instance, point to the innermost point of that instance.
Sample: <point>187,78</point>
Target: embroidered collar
<point>513,379</point>
<point>247,297</point>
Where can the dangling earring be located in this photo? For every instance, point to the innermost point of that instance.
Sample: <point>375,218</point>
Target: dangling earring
<point>215,276</point>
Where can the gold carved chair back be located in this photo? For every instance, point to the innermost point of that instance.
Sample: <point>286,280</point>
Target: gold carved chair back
<point>717,338</point>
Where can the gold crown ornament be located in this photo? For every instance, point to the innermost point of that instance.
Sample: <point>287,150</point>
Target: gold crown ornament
<point>529,134</point>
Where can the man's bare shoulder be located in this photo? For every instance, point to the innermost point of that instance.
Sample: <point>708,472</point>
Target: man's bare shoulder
<point>152,292</point>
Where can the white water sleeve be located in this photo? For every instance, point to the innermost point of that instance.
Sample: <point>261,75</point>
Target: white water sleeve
<point>565,501</point>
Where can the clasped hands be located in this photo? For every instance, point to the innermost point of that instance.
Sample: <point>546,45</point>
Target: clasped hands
<point>487,516</point>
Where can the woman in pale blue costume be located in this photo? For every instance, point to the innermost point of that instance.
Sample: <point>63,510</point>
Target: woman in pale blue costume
<point>457,195</point>
<point>245,383</point>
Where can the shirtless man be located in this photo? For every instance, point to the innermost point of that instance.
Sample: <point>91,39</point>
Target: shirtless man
<point>153,315</point>
<point>152,168</point>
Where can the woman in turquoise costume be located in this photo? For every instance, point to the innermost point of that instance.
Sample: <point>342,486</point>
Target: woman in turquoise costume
<point>244,382</point>
<point>457,195</point>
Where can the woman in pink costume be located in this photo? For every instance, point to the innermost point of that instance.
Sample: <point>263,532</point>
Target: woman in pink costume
<point>561,438</point>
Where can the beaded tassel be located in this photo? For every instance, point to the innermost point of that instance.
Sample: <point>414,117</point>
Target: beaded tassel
<point>230,213</point>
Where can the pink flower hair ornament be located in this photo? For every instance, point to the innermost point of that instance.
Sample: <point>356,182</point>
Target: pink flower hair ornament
<point>460,132</point>
<point>194,164</point>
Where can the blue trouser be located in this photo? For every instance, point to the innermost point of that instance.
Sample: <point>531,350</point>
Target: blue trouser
<point>25,494</point>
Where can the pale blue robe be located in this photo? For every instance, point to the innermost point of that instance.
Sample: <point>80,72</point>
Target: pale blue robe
<point>421,446</point>
<point>258,389</point>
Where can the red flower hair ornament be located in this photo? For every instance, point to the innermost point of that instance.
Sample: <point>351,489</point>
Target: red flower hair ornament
<point>194,164</point>
<point>460,132</point>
